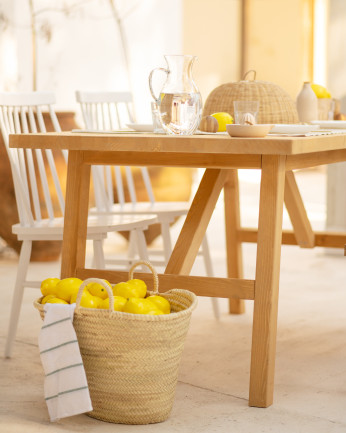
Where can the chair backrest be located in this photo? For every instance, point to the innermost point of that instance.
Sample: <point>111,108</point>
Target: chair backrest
<point>32,170</point>
<point>107,111</point>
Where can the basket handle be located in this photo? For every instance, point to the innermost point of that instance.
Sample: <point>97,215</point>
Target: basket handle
<point>249,72</point>
<point>105,285</point>
<point>150,266</point>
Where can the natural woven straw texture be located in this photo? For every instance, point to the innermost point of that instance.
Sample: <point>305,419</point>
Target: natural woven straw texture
<point>132,360</point>
<point>276,106</point>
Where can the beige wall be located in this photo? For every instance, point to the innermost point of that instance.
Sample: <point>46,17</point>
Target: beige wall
<point>280,42</point>
<point>211,31</point>
<point>279,35</point>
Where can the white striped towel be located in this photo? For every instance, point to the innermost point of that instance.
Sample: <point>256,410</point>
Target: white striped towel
<point>65,388</point>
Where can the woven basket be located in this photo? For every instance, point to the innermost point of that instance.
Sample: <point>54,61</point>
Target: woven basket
<point>276,106</point>
<point>131,360</point>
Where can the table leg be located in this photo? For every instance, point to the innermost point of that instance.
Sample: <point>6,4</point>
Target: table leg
<point>295,207</point>
<point>267,281</point>
<point>76,215</point>
<point>196,222</point>
<point>233,245</point>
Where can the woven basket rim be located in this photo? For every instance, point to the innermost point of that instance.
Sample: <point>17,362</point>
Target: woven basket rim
<point>82,311</point>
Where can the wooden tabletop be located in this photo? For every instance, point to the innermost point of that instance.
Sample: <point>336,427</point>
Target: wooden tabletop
<point>202,144</point>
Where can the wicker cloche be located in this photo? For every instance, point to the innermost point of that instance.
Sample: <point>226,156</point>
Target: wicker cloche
<point>276,106</point>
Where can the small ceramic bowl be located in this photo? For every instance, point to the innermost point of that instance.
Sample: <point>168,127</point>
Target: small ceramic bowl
<point>258,130</point>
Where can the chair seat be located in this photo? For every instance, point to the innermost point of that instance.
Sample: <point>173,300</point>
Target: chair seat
<point>171,209</point>
<point>100,224</point>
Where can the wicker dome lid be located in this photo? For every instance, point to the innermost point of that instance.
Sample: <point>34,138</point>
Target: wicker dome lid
<point>276,106</point>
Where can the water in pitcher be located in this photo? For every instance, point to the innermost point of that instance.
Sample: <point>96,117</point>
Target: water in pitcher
<point>180,112</point>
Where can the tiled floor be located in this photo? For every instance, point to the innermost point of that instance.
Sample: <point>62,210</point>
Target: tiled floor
<point>212,392</point>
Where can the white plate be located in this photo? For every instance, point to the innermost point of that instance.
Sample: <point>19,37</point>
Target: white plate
<point>330,124</point>
<point>293,129</point>
<point>141,127</point>
<point>259,130</point>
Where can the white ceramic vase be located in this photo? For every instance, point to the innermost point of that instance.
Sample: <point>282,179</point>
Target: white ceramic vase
<point>307,104</point>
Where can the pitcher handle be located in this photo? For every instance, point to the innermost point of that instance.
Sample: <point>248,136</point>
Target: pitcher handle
<point>150,81</point>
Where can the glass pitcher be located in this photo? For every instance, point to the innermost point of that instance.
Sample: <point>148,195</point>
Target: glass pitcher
<point>179,103</point>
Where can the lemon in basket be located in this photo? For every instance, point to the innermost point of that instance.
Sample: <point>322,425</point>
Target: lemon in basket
<point>141,306</point>
<point>88,300</point>
<point>131,289</point>
<point>67,287</point>
<point>56,301</point>
<point>119,303</point>
<point>48,286</point>
<point>140,284</point>
<point>97,289</point>
<point>47,298</point>
<point>161,303</point>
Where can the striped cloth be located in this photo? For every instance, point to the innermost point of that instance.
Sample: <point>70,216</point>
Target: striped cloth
<point>65,388</point>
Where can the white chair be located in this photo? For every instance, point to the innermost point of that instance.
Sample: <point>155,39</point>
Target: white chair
<point>31,171</point>
<point>107,111</point>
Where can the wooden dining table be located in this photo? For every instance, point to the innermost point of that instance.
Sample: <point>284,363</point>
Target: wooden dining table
<point>220,156</point>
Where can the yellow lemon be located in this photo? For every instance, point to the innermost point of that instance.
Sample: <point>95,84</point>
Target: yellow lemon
<point>119,303</point>
<point>68,287</point>
<point>155,312</point>
<point>48,286</point>
<point>130,289</point>
<point>140,286</point>
<point>161,303</point>
<point>97,289</point>
<point>46,298</point>
<point>223,119</point>
<point>141,306</point>
<point>56,301</point>
<point>320,91</point>
<point>88,300</point>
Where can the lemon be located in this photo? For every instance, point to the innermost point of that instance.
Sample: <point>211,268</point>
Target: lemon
<point>161,303</point>
<point>123,289</point>
<point>119,303</point>
<point>130,289</point>
<point>97,289</point>
<point>88,300</point>
<point>140,286</point>
<point>155,312</point>
<point>48,286</point>
<point>67,287</point>
<point>46,298</point>
<point>141,306</point>
<point>56,301</point>
<point>223,119</point>
<point>320,91</point>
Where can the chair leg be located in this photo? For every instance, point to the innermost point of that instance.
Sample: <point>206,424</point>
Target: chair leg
<point>24,260</point>
<point>132,248</point>
<point>167,242</point>
<point>206,257</point>
<point>210,273</point>
<point>142,247</point>
<point>99,258</point>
